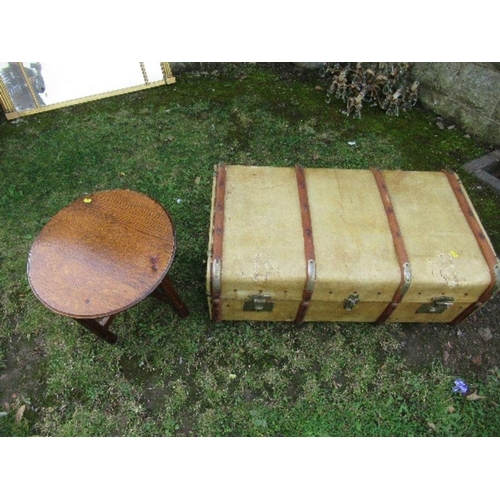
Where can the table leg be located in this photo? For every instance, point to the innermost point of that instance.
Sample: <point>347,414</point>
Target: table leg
<point>100,327</point>
<point>166,293</point>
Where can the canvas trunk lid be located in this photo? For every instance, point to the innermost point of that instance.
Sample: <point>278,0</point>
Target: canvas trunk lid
<point>324,244</point>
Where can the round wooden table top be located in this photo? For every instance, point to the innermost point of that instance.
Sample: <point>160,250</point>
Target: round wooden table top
<point>101,254</point>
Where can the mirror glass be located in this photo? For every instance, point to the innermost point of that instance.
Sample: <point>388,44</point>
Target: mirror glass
<point>32,85</point>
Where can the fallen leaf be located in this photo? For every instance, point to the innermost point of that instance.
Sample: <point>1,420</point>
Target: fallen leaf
<point>474,396</point>
<point>315,157</point>
<point>20,413</point>
<point>197,180</point>
<point>446,356</point>
<point>318,87</point>
<point>431,426</point>
<point>477,360</point>
<point>450,409</point>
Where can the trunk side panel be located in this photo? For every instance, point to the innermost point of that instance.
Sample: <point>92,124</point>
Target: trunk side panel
<point>352,239</point>
<point>334,311</point>
<point>444,254</point>
<point>263,245</point>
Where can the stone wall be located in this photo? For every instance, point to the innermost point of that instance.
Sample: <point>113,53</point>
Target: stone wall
<point>465,93</point>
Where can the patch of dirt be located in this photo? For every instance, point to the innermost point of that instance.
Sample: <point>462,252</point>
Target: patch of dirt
<point>22,380</point>
<point>153,397</point>
<point>470,349</point>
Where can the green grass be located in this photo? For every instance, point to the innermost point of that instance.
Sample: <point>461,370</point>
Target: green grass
<point>173,377</point>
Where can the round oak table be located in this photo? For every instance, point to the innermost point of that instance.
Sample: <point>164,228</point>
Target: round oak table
<point>101,255</point>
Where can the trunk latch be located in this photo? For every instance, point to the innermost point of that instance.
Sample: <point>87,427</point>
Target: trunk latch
<point>437,305</point>
<point>262,302</point>
<point>351,302</point>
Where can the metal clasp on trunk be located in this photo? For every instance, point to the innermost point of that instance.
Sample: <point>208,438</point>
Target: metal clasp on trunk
<point>496,270</point>
<point>216,275</point>
<point>406,278</point>
<point>351,302</point>
<point>438,305</point>
<point>262,302</point>
<point>311,275</point>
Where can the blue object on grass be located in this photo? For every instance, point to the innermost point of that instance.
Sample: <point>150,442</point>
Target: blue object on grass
<point>460,386</point>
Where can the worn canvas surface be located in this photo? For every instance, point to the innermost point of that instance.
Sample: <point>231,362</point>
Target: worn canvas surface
<point>263,246</point>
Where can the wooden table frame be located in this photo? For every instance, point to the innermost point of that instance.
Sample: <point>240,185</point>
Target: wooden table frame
<point>103,254</point>
<point>164,292</point>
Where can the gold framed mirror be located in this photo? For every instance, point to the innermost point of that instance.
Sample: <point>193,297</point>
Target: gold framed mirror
<point>27,88</point>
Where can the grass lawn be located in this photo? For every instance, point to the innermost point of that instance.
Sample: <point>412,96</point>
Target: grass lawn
<point>172,377</point>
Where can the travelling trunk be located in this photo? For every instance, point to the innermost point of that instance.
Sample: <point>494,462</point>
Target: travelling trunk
<point>323,244</point>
